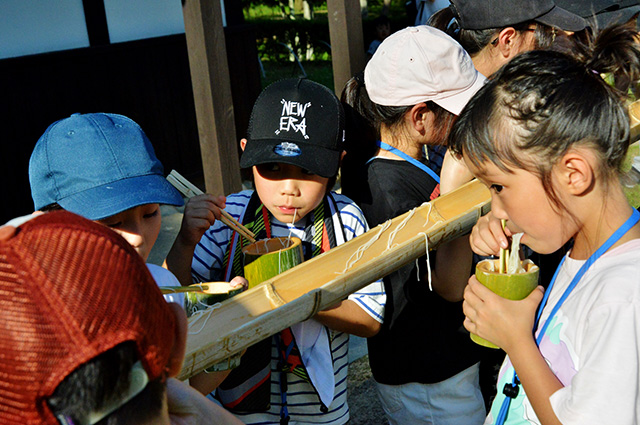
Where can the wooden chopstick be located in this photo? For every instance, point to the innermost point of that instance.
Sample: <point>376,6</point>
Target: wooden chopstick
<point>189,190</point>
<point>504,254</point>
<point>176,289</point>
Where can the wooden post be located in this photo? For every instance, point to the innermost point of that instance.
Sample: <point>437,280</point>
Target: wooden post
<point>212,95</point>
<point>347,45</point>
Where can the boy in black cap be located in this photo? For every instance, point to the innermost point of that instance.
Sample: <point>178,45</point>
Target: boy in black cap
<point>295,141</point>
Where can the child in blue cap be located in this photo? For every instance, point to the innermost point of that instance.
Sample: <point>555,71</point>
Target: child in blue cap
<point>103,167</point>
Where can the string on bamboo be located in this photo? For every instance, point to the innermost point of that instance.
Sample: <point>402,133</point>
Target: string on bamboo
<point>198,314</point>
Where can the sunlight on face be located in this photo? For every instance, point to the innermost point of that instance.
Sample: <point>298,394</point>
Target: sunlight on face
<point>140,227</point>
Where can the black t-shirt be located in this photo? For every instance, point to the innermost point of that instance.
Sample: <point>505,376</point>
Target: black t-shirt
<point>422,338</point>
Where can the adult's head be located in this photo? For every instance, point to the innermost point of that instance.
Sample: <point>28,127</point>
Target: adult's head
<point>85,333</point>
<point>495,31</point>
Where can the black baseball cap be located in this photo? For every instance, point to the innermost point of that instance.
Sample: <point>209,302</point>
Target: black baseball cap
<point>605,12</point>
<point>486,14</point>
<point>299,122</point>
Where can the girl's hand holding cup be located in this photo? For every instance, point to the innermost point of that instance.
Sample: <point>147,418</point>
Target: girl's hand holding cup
<point>493,318</point>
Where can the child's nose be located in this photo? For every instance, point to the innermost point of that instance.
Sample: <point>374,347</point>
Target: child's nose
<point>498,209</point>
<point>290,187</point>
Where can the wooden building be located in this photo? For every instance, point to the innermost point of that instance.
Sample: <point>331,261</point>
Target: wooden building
<point>191,89</point>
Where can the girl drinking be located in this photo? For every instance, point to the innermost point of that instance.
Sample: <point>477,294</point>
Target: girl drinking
<point>548,136</point>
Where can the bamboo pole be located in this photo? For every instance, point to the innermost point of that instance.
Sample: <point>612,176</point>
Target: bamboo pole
<point>302,291</point>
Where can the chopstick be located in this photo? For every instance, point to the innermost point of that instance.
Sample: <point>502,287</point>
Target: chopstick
<point>176,289</point>
<point>189,190</point>
<point>504,254</point>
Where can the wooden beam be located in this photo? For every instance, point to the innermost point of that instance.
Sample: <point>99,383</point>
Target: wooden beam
<point>347,44</point>
<point>302,291</point>
<point>212,95</point>
<point>96,20</point>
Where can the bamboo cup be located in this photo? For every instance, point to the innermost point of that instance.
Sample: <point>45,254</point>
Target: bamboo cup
<point>268,258</point>
<point>513,286</point>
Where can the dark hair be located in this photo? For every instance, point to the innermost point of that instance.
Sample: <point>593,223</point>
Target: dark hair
<point>52,207</point>
<point>96,383</point>
<point>355,96</point>
<point>473,41</point>
<point>543,103</point>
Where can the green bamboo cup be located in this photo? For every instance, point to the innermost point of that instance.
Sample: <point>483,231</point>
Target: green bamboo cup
<point>268,258</point>
<point>513,286</point>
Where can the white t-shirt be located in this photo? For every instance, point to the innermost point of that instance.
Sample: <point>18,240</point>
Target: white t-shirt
<point>592,345</point>
<point>164,277</point>
<point>303,404</point>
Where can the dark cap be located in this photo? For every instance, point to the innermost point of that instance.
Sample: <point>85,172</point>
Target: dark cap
<point>299,122</point>
<point>606,12</point>
<point>487,14</point>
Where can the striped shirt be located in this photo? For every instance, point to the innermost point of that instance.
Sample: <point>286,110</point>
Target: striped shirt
<point>302,402</point>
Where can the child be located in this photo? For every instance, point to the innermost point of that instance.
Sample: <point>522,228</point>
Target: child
<point>548,136</point>
<point>294,144</point>
<point>415,85</point>
<point>383,30</point>
<point>103,167</point>
<point>66,361</point>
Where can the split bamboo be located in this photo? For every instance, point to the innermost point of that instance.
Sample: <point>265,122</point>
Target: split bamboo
<point>302,291</point>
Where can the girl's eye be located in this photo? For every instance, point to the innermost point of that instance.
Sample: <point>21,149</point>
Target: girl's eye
<point>307,172</point>
<point>497,188</point>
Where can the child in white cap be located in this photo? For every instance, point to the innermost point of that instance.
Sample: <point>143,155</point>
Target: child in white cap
<point>425,366</point>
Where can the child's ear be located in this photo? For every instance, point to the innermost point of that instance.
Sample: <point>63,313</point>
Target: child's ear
<point>243,144</point>
<point>419,114</point>
<point>576,172</point>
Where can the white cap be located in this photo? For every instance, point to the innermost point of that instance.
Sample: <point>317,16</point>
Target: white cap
<point>420,64</point>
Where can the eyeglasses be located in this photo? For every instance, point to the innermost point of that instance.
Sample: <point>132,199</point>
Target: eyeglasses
<point>495,40</point>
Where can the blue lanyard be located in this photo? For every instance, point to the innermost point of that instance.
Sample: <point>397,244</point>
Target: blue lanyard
<point>409,159</point>
<point>511,390</point>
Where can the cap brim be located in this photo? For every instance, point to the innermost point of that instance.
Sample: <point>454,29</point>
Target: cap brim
<point>456,103</point>
<point>113,198</point>
<point>562,19</point>
<point>619,16</point>
<point>319,160</point>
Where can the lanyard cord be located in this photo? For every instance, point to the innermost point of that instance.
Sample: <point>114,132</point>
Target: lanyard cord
<point>409,159</point>
<point>511,390</point>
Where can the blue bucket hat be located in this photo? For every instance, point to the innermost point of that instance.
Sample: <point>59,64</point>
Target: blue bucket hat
<point>97,165</point>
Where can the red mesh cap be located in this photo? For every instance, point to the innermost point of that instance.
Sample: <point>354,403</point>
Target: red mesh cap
<point>71,289</point>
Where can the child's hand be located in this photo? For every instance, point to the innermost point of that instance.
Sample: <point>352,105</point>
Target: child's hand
<point>487,236</point>
<point>239,281</point>
<point>200,213</point>
<point>504,322</point>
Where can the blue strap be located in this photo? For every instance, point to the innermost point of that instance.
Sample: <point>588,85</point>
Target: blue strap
<point>615,237</point>
<point>409,159</point>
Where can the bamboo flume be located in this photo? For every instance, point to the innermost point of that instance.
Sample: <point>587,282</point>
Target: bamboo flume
<point>302,291</point>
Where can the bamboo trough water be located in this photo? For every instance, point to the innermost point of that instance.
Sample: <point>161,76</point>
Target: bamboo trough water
<point>302,291</point>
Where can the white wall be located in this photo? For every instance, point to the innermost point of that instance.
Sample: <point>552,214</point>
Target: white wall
<point>37,26</point>
<point>137,19</point>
